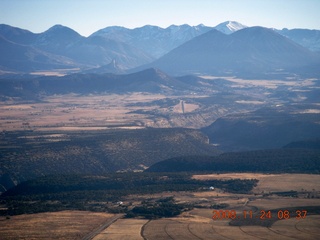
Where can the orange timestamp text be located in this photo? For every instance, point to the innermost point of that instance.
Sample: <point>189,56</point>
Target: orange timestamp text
<point>263,214</point>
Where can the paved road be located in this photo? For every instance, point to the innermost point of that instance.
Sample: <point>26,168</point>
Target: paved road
<point>96,231</point>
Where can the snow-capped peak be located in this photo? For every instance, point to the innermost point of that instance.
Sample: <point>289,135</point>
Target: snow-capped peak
<point>229,27</point>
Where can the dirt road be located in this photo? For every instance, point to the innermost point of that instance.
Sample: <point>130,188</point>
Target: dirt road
<point>96,231</point>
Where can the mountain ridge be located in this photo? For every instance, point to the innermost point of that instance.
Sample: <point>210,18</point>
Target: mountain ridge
<point>153,40</point>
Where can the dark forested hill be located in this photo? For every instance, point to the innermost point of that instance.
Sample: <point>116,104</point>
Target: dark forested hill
<point>270,127</point>
<point>149,80</point>
<point>26,155</point>
<point>306,144</point>
<point>263,161</point>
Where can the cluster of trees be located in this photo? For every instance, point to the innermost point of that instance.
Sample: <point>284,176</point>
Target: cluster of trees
<point>163,208</point>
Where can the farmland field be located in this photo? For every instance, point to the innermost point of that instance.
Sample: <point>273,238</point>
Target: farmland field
<point>69,112</point>
<point>123,229</point>
<point>197,223</point>
<point>273,182</point>
<point>55,225</point>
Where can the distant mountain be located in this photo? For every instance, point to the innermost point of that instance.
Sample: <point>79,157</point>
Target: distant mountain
<point>94,51</point>
<point>57,39</point>
<point>21,58</point>
<point>153,40</point>
<point>305,37</point>
<point>157,41</point>
<point>265,128</point>
<point>307,144</point>
<point>229,27</point>
<point>102,51</point>
<point>248,52</point>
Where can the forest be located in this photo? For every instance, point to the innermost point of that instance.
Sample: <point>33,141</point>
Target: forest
<point>95,193</point>
<point>286,160</point>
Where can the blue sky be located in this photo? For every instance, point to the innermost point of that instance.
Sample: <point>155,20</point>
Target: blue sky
<point>88,16</point>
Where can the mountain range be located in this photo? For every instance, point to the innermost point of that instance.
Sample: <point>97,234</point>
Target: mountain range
<point>118,49</point>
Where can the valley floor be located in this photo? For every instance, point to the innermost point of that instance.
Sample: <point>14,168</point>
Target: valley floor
<point>73,112</point>
<point>215,98</point>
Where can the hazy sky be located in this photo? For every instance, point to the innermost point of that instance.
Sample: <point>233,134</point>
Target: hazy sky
<point>88,16</point>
